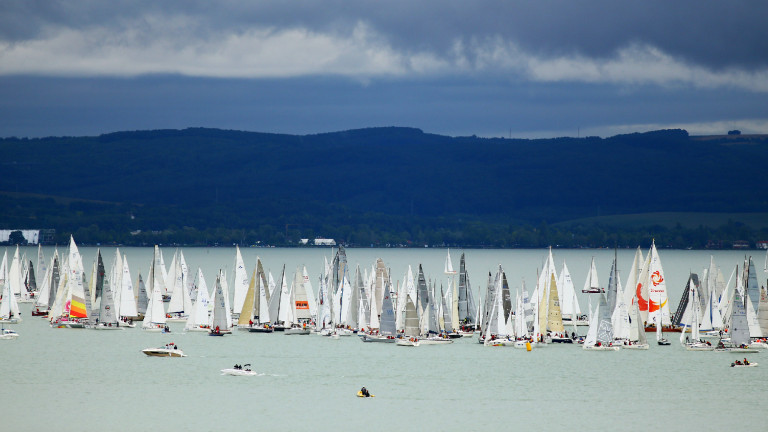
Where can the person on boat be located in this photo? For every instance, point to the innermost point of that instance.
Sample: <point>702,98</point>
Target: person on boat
<point>738,362</point>
<point>746,362</point>
<point>365,392</point>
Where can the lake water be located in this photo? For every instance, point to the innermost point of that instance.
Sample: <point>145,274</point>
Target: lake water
<point>87,380</point>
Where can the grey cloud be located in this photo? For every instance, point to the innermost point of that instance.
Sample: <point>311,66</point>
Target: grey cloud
<point>716,35</point>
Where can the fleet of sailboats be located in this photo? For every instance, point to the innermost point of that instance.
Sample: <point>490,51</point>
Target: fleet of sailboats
<point>414,311</point>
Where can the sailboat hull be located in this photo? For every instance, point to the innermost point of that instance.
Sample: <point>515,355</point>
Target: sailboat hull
<point>375,338</point>
<point>600,348</point>
<point>109,327</point>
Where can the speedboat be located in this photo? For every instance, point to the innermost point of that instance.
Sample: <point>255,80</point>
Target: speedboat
<point>244,370</point>
<point>169,350</point>
<point>8,334</point>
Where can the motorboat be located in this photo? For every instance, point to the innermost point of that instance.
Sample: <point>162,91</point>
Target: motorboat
<point>169,350</point>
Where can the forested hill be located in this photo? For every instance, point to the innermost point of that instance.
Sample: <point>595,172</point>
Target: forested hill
<point>380,180</point>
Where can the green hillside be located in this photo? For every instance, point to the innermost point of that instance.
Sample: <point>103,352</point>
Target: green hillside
<point>376,186</point>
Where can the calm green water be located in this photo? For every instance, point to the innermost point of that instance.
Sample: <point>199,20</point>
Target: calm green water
<point>97,380</point>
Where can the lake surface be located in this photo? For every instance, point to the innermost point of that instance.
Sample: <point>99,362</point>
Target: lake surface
<point>88,380</point>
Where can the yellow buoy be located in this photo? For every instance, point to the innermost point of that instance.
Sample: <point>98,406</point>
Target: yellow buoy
<point>527,346</point>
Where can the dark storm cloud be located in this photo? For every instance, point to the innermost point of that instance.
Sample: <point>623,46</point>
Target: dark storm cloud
<point>452,67</point>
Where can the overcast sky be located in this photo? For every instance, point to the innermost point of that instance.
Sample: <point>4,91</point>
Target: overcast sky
<point>489,68</point>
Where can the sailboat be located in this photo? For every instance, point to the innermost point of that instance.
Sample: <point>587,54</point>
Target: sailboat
<point>691,319</point>
<point>637,339</point>
<point>300,306</point>
<point>261,301</point>
<point>240,283</point>
<point>652,296</point>
<point>591,343</point>
<point>221,321</point>
<point>467,320</point>
<point>569,303</point>
<point>107,316</point>
<point>198,319</point>
<point>9,307</point>
<point>154,317</point>
<point>387,330</point>
<point>411,323</point>
<point>739,327</point>
<point>592,284</point>
<point>70,309</point>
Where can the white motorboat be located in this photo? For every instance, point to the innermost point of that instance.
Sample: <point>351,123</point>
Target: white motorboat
<point>244,370</point>
<point>169,350</point>
<point>8,334</point>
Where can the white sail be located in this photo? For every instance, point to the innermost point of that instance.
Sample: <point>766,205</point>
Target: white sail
<point>310,294</point>
<point>264,293</point>
<point>762,311</point>
<point>752,321</point>
<point>115,281</point>
<point>43,299</point>
<point>127,296</point>
<point>155,315</point>
<point>591,339</point>
<point>4,269</point>
<point>569,304</point>
<point>449,264</point>
<point>592,283</point>
<point>9,308</point>
<point>221,320</point>
<point>240,282</point>
<point>16,278</point>
<point>285,313</point>
<point>300,298</point>
<point>179,294</point>
<point>652,291</point>
<point>160,273</point>
<point>199,317</point>
<point>620,317</point>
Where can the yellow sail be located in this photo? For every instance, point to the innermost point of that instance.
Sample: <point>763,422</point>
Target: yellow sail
<point>555,317</point>
<point>246,314</point>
